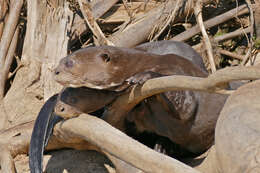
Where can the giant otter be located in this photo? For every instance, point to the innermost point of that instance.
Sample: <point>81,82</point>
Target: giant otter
<point>187,118</point>
<point>74,101</point>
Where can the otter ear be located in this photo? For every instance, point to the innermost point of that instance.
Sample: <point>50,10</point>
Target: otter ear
<point>105,57</point>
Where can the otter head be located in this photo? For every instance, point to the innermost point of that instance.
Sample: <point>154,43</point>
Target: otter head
<point>74,101</point>
<point>96,67</point>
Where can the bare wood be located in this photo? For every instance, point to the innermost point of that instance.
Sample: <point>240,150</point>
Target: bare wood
<point>18,138</point>
<point>93,26</point>
<point>129,13</point>
<point>198,13</point>
<point>100,7</point>
<point>6,160</point>
<point>170,19</point>
<point>118,13</point>
<point>4,76</point>
<point>3,15</point>
<point>231,54</point>
<point>6,40</point>
<point>8,61</point>
<point>232,34</point>
<point>140,29</point>
<point>213,83</point>
<point>211,22</point>
<point>118,144</point>
<point>9,29</point>
<point>257,19</point>
<point>250,40</point>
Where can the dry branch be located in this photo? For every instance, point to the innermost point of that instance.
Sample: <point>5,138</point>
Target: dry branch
<point>6,40</point>
<point>113,141</point>
<point>198,13</point>
<point>93,26</point>
<point>232,34</point>
<point>211,22</point>
<point>4,75</point>
<point>213,83</point>
<point>231,54</point>
<point>14,141</point>
<point>6,160</point>
<point>3,15</point>
<point>100,7</point>
<point>250,41</point>
<point>140,28</point>
<point>169,19</point>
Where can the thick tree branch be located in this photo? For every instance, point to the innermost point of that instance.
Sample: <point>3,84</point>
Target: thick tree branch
<point>8,43</point>
<point>9,29</point>
<point>113,141</point>
<point>213,83</point>
<point>8,61</point>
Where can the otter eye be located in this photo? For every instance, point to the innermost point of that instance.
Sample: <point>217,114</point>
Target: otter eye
<point>105,57</point>
<point>69,63</point>
<point>62,109</point>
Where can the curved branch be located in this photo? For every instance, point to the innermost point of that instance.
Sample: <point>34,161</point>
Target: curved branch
<point>213,83</point>
<point>115,142</point>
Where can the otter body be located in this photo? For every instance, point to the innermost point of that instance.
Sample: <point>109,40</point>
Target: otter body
<point>173,47</point>
<point>187,118</point>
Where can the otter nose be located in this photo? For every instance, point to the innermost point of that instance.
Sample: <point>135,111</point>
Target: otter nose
<point>56,72</point>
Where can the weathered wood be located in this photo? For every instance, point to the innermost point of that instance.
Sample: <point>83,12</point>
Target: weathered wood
<point>118,144</point>
<point>238,131</point>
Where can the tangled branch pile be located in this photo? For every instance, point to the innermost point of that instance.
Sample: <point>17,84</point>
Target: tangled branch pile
<point>35,35</point>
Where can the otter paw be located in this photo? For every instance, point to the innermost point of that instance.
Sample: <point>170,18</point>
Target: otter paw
<point>140,78</point>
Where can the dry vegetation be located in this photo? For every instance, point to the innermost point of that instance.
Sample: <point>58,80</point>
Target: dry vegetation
<point>35,35</point>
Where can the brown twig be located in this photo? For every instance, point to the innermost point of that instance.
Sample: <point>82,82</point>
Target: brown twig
<point>250,43</point>
<point>231,54</point>
<point>211,22</point>
<point>101,39</point>
<point>232,34</point>
<point>130,14</point>
<point>198,13</point>
<point>169,19</point>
